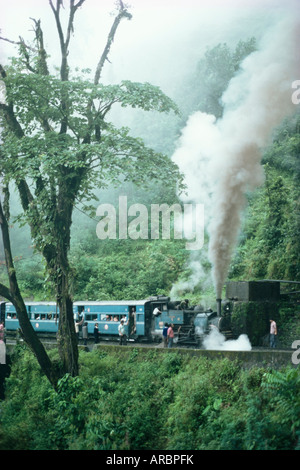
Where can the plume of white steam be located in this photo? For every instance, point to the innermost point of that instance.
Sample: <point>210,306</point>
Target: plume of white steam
<point>221,159</point>
<point>216,341</point>
<point>182,286</point>
<point>194,156</point>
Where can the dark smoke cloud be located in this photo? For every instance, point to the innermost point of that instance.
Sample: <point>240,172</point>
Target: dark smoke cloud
<point>221,159</point>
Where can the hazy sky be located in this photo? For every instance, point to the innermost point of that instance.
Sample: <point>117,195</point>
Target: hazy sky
<point>163,39</point>
<point>161,44</point>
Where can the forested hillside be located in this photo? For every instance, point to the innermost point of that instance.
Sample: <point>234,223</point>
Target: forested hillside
<point>269,247</point>
<point>123,269</point>
<point>177,105</point>
<point>147,400</point>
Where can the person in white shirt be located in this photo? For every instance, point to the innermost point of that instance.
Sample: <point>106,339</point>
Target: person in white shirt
<point>156,312</point>
<point>273,334</point>
<point>122,332</point>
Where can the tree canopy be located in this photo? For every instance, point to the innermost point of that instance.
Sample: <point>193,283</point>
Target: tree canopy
<point>58,145</point>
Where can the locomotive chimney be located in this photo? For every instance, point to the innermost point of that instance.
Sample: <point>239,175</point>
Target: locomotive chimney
<point>219,307</point>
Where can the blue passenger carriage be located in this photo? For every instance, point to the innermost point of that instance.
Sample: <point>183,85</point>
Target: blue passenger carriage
<point>43,316</point>
<point>141,321</point>
<point>108,315</point>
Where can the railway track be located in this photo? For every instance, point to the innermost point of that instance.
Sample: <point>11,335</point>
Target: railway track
<point>256,357</point>
<point>52,342</point>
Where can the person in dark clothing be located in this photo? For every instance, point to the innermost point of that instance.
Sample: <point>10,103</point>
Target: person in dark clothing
<point>96,333</point>
<point>165,335</point>
<point>85,333</point>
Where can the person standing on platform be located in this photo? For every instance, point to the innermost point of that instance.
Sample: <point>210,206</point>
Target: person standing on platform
<point>273,334</point>
<point>170,335</point>
<point>122,332</point>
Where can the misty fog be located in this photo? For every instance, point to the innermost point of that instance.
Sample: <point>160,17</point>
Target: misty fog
<point>163,44</point>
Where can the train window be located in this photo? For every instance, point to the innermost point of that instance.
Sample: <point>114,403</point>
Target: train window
<point>105,317</point>
<point>91,316</point>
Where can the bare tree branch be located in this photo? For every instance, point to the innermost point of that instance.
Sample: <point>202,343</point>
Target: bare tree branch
<point>64,43</point>
<point>18,43</point>
<point>64,47</point>
<point>42,55</point>
<point>79,4</point>
<point>123,13</point>
<point>73,9</point>
<point>63,69</point>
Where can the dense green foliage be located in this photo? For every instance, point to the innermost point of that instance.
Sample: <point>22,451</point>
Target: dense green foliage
<point>213,74</point>
<point>269,247</point>
<point>269,239</point>
<point>139,399</point>
<point>58,143</point>
<point>127,272</point>
<point>136,399</point>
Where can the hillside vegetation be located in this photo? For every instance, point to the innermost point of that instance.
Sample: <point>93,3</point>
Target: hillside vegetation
<point>133,400</point>
<point>268,247</point>
<point>269,244</point>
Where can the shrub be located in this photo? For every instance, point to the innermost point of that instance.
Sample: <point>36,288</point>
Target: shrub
<point>134,399</point>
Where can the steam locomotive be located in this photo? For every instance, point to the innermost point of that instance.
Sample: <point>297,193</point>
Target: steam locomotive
<point>247,308</point>
<point>145,319</point>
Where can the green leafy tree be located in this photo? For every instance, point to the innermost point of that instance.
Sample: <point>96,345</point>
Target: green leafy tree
<point>213,74</point>
<point>269,245</point>
<point>58,144</point>
<point>283,389</point>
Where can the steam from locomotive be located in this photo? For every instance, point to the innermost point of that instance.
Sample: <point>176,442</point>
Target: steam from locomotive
<point>223,157</point>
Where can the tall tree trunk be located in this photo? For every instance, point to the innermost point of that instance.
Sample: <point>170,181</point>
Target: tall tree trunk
<point>67,339</point>
<point>14,295</point>
<point>66,185</point>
